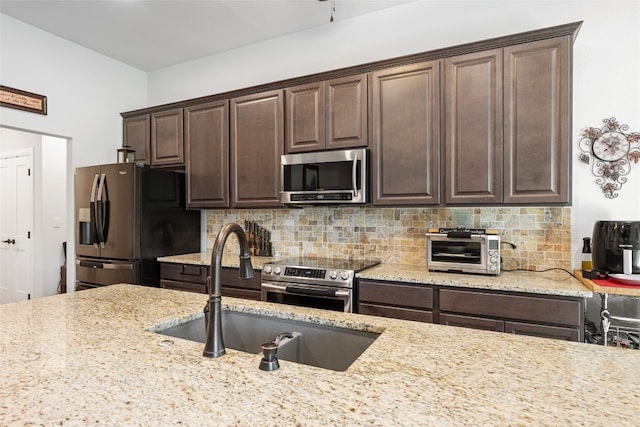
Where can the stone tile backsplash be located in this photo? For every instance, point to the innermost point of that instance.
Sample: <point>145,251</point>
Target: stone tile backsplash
<point>542,235</point>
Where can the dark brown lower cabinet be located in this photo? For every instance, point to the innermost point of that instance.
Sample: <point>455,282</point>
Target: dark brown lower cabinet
<point>526,314</point>
<point>548,316</point>
<point>390,299</point>
<point>234,286</point>
<point>193,278</point>
<point>184,277</point>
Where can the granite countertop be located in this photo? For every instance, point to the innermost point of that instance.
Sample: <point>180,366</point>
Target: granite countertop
<point>554,282</point>
<point>88,358</point>
<point>204,258</point>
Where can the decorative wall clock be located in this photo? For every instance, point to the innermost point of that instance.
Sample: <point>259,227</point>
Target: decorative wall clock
<point>610,151</point>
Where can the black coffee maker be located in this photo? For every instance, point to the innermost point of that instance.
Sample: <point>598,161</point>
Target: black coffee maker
<point>616,247</point>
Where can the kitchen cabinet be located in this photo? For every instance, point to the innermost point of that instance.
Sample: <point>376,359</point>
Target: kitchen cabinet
<point>405,134</point>
<point>326,115</point>
<point>256,144</point>
<point>136,133</point>
<point>537,121</point>
<point>507,125</point>
<point>485,123</point>
<point>527,314</point>
<point>549,316</point>
<point>167,138</point>
<point>390,299</point>
<point>472,140</point>
<point>184,277</point>
<point>233,286</point>
<point>193,278</point>
<point>206,138</point>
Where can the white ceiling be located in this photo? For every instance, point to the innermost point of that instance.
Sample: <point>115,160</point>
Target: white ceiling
<point>153,34</point>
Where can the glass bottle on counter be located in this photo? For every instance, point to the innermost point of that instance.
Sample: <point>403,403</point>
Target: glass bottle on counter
<point>587,263</point>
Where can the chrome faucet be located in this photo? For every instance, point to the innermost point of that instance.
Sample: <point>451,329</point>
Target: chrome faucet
<point>214,345</point>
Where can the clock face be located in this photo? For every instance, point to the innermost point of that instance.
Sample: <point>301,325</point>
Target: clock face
<point>611,146</point>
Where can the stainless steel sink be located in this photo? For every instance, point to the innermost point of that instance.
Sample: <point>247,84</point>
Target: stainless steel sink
<point>327,347</point>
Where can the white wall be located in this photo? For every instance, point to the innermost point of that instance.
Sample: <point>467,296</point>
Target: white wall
<point>53,213</point>
<point>606,68</point>
<point>85,94</point>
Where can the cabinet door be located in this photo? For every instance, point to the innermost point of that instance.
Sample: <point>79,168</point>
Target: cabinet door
<point>167,143</point>
<point>537,115</point>
<point>257,143</point>
<point>304,121</point>
<point>405,135</point>
<point>346,112</point>
<point>207,155</point>
<point>473,128</point>
<point>136,132</point>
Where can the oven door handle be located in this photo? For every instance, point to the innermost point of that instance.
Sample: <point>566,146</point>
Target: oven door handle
<point>306,291</point>
<point>316,292</point>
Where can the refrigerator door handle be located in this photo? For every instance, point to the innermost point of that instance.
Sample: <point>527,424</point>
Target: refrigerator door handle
<point>101,215</point>
<point>93,212</point>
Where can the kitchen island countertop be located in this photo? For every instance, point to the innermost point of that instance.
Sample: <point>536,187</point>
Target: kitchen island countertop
<point>89,357</point>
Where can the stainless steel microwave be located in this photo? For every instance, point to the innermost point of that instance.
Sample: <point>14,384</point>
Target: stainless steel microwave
<point>459,250</point>
<point>325,177</point>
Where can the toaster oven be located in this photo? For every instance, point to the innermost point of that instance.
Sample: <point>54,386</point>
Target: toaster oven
<point>463,250</point>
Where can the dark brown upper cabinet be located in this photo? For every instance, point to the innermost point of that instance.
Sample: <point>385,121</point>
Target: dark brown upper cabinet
<point>167,141</point>
<point>136,132</point>
<point>206,137</point>
<point>507,124</point>
<point>537,121</point>
<point>476,124</point>
<point>472,140</point>
<point>405,134</point>
<point>326,115</point>
<point>257,142</point>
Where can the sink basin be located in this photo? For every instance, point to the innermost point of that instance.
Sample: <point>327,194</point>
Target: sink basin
<point>327,347</point>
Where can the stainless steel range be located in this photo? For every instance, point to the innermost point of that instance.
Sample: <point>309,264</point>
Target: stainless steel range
<point>313,282</point>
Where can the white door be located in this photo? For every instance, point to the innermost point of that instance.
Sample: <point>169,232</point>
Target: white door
<point>16,225</point>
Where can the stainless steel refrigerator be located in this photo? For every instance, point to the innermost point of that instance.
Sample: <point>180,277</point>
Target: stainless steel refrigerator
<point>127,215</point>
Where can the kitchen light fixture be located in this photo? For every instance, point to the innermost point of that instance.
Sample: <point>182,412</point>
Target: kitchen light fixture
<point>333,8</point>
<point>126,154</point>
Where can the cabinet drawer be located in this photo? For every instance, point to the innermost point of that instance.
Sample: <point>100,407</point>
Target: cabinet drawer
<point>472,322</point>
<point>544,331</point>
<point>396,312</point>
<point>240,293</point>
<point>183,286</point>
<point>184,272</point>
<point>396,294</point>
<point>518,307</point>
<point>229,277</point>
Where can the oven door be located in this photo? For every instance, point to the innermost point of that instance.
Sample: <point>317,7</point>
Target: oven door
<point>305,295</point>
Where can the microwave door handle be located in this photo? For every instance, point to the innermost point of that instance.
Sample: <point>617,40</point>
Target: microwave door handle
<point>354,175</point>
